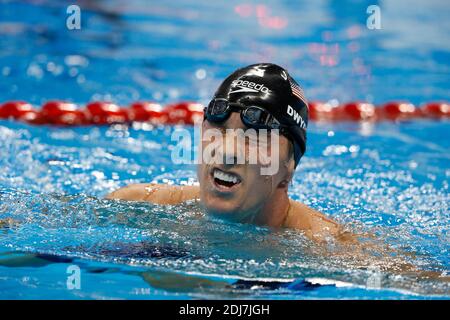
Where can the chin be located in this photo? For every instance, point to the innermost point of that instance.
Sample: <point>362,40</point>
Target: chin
<point>223,208</point>
<point>220,206</point>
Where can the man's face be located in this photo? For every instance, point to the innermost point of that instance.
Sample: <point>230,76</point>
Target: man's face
<point>239,191</point>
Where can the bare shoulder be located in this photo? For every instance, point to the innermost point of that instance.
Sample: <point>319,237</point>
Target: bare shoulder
<point>155,193</point>
<point>315,224</point>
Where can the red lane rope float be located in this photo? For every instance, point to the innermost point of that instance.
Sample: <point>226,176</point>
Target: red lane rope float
<point>19,110</point>
<point>62,113</point>
<point>105,113</point>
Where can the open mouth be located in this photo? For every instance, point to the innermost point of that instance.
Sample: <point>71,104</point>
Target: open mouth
<point>225,180</point>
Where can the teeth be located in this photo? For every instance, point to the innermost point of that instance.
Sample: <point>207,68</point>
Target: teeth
<point>225,176</point>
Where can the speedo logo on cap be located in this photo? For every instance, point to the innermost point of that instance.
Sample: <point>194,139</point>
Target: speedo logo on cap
<point>248,86</point>
<point>296,116</point>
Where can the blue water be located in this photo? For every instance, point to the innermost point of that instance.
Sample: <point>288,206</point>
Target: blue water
<point>390,179</point>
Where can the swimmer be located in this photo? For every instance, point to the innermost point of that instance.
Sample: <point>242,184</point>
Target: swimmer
<point>259,96</point>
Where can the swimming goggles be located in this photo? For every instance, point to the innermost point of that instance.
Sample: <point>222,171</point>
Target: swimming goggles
<point>219,110</point>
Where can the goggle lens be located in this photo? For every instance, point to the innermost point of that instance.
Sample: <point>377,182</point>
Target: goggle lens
<point>218,107</point>
<point>253,116</point>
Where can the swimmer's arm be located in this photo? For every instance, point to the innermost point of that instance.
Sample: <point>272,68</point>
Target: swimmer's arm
<point>156,193</point>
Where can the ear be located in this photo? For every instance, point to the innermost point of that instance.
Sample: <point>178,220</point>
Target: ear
<point>289,174</point>
<point>283,184</point>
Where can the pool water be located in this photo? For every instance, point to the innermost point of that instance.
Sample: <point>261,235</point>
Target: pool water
<point>389,179</point>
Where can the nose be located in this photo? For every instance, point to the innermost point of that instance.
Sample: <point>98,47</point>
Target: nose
<point>234,121</point>
<point>228,157</point>
<point>232,151</point>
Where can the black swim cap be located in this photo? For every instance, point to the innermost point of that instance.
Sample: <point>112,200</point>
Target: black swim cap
<point>272,88</point>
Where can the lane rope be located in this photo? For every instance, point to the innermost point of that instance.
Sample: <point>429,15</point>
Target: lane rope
<point>61,113</point>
